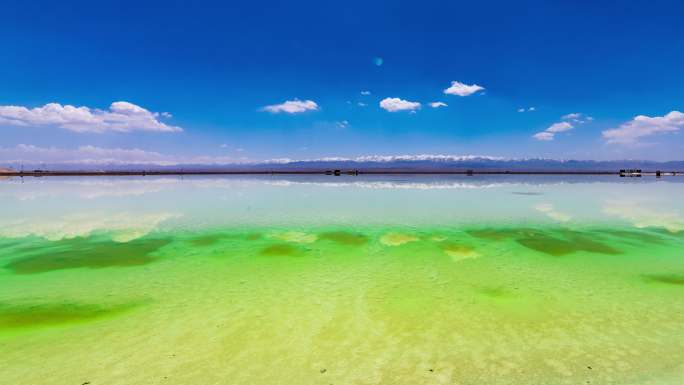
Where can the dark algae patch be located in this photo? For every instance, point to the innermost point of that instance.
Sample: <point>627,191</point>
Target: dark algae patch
<point>547,244</point>
<point>280,249</point>
<point>88,253</point>
<point>208,240</point>
<point>566,242</point>
<point>499,234</point>
<point>253,237</point>
<point>344,238</point>
<point>558,242</point>
<point>493,292</point>
<point>27,316</point>
<point>670,279</point>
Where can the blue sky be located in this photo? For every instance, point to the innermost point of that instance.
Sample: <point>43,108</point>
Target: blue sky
<point>196,80</point>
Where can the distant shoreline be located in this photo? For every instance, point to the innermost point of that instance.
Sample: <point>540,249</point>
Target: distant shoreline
<point>41,173</point>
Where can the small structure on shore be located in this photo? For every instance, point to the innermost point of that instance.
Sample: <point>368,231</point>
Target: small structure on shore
<point>631,172</point>
<point>339,172</point>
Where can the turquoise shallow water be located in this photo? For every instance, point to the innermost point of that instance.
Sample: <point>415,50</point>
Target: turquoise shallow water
<point>389,280</point>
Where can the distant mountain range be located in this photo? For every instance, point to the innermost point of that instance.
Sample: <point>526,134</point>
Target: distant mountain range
<point>385,163</point>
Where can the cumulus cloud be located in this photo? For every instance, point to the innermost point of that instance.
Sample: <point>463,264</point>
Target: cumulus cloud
<point>543,136</point>
<point>438,104</point>
<point>577,117</point>
<point>295,106</point>
<point>552,130</point>
<point>120,117</point>
<point>342,124</point>
<point>523,109</point>
<point>396,104</point>
<point>461,89</point>
<point>361,104</point>
<point>365,93</point>
<point>559,127</point>
<point>566,124</point>
<point>642,126</point>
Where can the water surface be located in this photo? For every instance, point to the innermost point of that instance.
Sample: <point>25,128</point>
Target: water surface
<point>342,280</point>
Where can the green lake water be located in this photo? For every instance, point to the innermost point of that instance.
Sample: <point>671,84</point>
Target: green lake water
<point>342,280</point>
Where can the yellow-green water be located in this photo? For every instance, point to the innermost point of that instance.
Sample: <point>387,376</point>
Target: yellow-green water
<point>539,293</point>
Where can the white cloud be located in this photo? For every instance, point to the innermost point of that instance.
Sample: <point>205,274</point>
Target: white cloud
<point>121,117</point>
<point>543,136</point>
<point>365,93</point>
<point>577,117</point>
<point>532,109</point>
<point>642,126</point>
<point>361,104</point>
<point>523,109</point>
<point>292,107</point>
<point>552,130</point>
<point>237,149</point>
<point>438,104</point>
<point>461,89</point>
<point>342,124</point>
<point>559,127</point>
<point>396,104</point>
